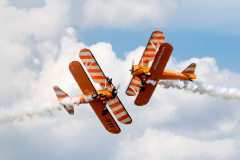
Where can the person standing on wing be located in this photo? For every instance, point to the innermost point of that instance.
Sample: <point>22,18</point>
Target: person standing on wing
<point>113,92</point>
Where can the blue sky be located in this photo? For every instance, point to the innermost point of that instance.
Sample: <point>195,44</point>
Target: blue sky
<point>40,38</point>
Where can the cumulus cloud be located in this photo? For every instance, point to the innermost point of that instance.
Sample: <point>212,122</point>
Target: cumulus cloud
<point>155,144</point>
<point>21,31</point>
<point>108,13</point>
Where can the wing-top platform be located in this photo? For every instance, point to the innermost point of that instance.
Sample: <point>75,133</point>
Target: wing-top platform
<point>88,89</point>
<point>99,77</point>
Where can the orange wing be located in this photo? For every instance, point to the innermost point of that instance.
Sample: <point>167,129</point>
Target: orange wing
<point>153,45</point>
<point>87,88</point>
<point>107,120</point>
<point>144,96</point>
<point>93,68</point>
<point>81,78</point>
<point>119,111</point>
<point>161,60</point>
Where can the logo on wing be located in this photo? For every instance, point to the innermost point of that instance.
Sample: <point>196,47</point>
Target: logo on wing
<point>159,57</point>
<point>109,122</point>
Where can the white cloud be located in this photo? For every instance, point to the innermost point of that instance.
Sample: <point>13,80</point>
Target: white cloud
<point>21,31</point>
<point>123,14</point>
<point>154,144</point>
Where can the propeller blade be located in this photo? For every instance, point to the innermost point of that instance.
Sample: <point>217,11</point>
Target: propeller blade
<point>132,70</point>
<point>118,86</point>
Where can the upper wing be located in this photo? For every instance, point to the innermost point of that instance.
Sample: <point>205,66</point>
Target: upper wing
<point>87,88</point>
<point>161,60</point>
<point>152,47</point>
<point>119,111</point>
<point>144,96</point>
<point>81,78</point>
<point>93,68</point>
<point>107,120</point>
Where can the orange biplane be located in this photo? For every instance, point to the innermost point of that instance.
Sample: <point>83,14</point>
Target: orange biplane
<point>145,78</point>
<point>96,98</point>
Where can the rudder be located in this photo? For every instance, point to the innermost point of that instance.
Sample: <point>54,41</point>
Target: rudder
<point>190,71</point>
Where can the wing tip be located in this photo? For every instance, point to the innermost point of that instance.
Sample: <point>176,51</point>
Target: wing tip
<point>85,50</point>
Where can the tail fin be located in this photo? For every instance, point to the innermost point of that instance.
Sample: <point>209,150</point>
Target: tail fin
<point>61,95</point>
<point>189,71</point>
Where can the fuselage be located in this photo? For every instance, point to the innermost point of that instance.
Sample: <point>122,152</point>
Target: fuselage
<point>139,71</point>
<point>103,95</point>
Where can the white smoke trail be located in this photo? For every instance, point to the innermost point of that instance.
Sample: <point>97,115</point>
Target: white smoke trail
<point>21,113</point>
<point>202,88</point>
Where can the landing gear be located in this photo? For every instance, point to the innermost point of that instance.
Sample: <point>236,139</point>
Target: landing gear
<point>94,95</point>
<point>148,74</point>
<point>141,88</point>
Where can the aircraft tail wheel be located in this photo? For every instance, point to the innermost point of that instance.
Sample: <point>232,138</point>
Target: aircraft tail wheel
<point>148,74</point>
<point>141,88</point>
<point>94,95</point>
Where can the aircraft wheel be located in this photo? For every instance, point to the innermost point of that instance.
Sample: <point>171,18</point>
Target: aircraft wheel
<point>141,88</point>
<point>148,74</point>
<point>94,95</point>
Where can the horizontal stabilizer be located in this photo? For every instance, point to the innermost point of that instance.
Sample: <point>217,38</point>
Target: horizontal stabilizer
<point>61,95</point>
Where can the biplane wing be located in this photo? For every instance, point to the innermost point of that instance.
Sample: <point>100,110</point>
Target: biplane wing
<point>93,68</point>
<point>144,97</point>
<point>161,60</point>
<point>119,111</point>
<point>98,76</point>
<point>133,87</point>
<point>157,69</point>
<point>149,54</point>
<point>152,47</point>
<point>87,88</point>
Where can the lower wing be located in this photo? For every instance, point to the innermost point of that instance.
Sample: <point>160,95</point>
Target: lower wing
<point>107,120</point>
<point>133,87</point>
<point>144,96</point>
<point>119,111</point>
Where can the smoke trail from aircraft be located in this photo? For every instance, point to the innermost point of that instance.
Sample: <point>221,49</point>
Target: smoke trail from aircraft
<point>202,88</point>
<point>21,113</point>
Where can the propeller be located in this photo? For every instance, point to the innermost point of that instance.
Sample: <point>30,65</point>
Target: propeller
<point>118,86</point>
<point>132,70</point>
